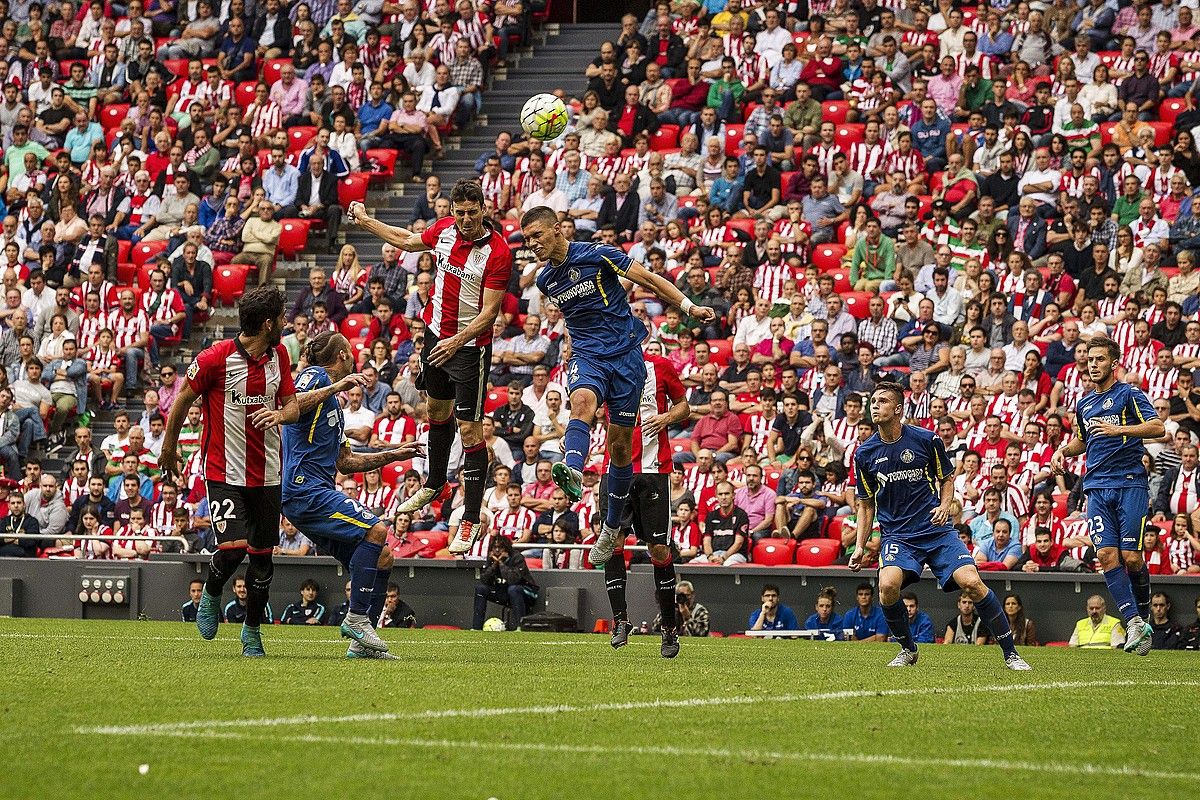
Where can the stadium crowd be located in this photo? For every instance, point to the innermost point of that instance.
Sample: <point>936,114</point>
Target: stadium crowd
<point>956,197</point>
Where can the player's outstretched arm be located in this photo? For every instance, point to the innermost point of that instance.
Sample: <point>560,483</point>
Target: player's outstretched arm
<point>403,238</point>
<point>667,292</point>
<point>350,462</point>
<point>1058,461</point>
<point>168,459</point>
<point>866,519</point>
<point>311,399</point>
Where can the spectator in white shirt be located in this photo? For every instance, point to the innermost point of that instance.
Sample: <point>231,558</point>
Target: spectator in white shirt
<point>547,195</point>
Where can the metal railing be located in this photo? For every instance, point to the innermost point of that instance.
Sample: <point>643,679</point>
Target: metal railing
<point>637,548</point>
<point>90,537</point>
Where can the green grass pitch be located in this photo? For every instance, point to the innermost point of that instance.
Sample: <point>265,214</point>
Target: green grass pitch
<point>522,716</point>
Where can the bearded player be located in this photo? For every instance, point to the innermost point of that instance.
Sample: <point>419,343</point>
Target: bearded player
<point>606,368</point>
<point>1110,423</point>
<point>245,386</point>
<point>906,479</point>
<point>648,511</point>
<point>473,267</point>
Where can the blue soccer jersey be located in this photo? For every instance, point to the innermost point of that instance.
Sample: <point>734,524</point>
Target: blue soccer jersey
<point>1113,461</point>
<point>587,288</point>
<point>904,478</point>
<point>311,444</point>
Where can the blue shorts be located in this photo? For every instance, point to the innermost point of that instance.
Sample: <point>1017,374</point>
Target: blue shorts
<point>1117,516</point>
<point>940,549</point>
<point>617,381</point>
<point>334,522</point>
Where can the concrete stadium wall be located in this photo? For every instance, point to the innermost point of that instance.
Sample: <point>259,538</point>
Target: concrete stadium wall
<point>441,591</point>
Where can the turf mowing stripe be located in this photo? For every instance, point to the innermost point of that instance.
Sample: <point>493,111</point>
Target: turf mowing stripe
<point>490,641</point>
<point>757,756</point>
<point>694,702</point>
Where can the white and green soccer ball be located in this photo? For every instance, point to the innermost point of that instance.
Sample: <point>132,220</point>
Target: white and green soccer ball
<point>494,625</point>
<point>544,117</point>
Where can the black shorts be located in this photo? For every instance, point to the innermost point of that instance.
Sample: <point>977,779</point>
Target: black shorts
<point>648,509</point>
<point>243,512</point>
<point>462,379</point>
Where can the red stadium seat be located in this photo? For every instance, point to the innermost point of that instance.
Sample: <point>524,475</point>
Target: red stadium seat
<point>299,137</point>
<point>849,133</point>
<point>774,552</point>
<point>677,85</point>
<point>495,398</point>
<point>733,139</point>
<point>1171,108</point>
<point>1106,129</point>
<point>112,115</point>
<point>857,302</point>
<point>124,246</point>
<point>784,177</point>
<point>146,251</point>
<point>1060,505</point>
<point>720,351</point>
<point>177,66</point>
<point>385,157</point>
<point>243,93</point>
<point>534,563</point>
<point>771,478</point>
<point>229,283</point>
<point>143,275</point>
<point>667,136</point>
<point>272,69</point>
<point>433,541</point>
<point>355,326</point>
<point>1107,57</point>
<point>748,109</point>
<point>393,474</point>
<point>841,280</point>
<point>353,187</point>
<point>1162,132</point>
<point>679,445</point>
<point>828,257</point>
<point>688,201</point>
<point>834,529</point>
<point>126,272</point>
<point>834,111</point>
<point>746,226</point>
<point>818,552</point>
<point>293,237</point>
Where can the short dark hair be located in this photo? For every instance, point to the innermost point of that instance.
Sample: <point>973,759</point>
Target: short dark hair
<point>258,306</point>
<point>309,583</point>
<point>892,388</point>
<point>466,191</point>
<point>322,349</point>
<point>543,214</point>
<point>1106,344</point>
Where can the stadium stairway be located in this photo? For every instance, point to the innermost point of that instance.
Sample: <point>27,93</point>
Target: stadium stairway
<point>557,58</point>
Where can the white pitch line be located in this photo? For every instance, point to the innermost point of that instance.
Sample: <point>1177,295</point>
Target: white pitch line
<point>693,702</point>
<point>872,759</point>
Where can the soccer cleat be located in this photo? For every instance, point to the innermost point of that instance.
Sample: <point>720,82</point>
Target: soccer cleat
<point>905,658</point>
<point>252,646</point>
<point>423,497</point>
<point>604,546</point>
<point>468,534</point>
<point>1015,662</point>
<point>358,651</point>
<point>620,635</point>
<point>358,628</point>
<point>670,642</point>
<point>208,615</point>
<point>1138,640</point>
<point>568,479</point>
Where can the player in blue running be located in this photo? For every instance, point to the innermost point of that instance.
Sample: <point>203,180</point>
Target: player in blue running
<point>906,479</point>
<point>314,450</point>
<point>584,279</point>
<point>1110,423</point>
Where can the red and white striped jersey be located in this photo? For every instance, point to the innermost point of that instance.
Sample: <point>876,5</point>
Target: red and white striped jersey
<point>1014,501</point>
<point>609,167</point>
<point>232,385</point>
<point>1122,64</point>
<point>1186,350</point>
<point>978,482</point>
<point>1072,184</point>
<point>1152,314</point>
<point>1159,181</point>
<point>442,47</point>
<point>73,489</point>
<point>1073,389</point>
<point>787,229</point>
<point>512,525</point>
<point>1159,384</point>
<point>1055,526</point>
<point>192,93</point>
<point>696,481</point>
<point>106,290</point>
<point>380,498</point>
<point>1180,554</point>
<point>911,163</point>
<point>661,390</point>
<point>769,279</point>
<point>759,428</point>
<point>464,270</point>
<point>161,517</point>
<point>1183,498</point>
<point>394,431</point>
<point>844,431</point>
<point>160,308</point>
<point>89,329</point>
<point>825,155</point>
<point>1141,358</point>
<point>984,62</point>
<point>866,158</point>
<point>557,160</point>
<point>342,282</point>
<point>264,119</point>
<point>733,46</point>
<point>1004,407</point>
<point>102,360</point>
<point>753,68</point>
<point>493,187</point>
<point>128,329</point>
<point>1111,306</point>
<point>88,546</point>
<point>474,30</point>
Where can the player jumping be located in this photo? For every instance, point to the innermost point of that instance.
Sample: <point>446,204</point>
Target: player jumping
<point>473,268</point>
<point>314,449</point>
<point>649,509</point>
<point>584,280</point>
<point>1115,483</point>
<point>906,477</point>
<point>242,383</point>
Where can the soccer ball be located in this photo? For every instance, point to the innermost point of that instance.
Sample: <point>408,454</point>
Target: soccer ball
<point>494,625</point>
<point>544,117</point>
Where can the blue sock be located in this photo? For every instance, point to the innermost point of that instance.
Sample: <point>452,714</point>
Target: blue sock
<point>576,443</point>
<point>619,481</point>
<point>897,619</point>
<point>992,614</point>
<point>378,595</point>
<point>363,569</point>
<point>1121,589</point>
<point>1140,581</point>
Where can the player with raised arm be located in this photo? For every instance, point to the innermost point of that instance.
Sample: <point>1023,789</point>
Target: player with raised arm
<point>1110,422</point>
<point>314,450</point>
<point>906,478</point>
<point>584,280</point>
<point>245,388</point>
<point>473,267</point>
<point>648,511</point>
